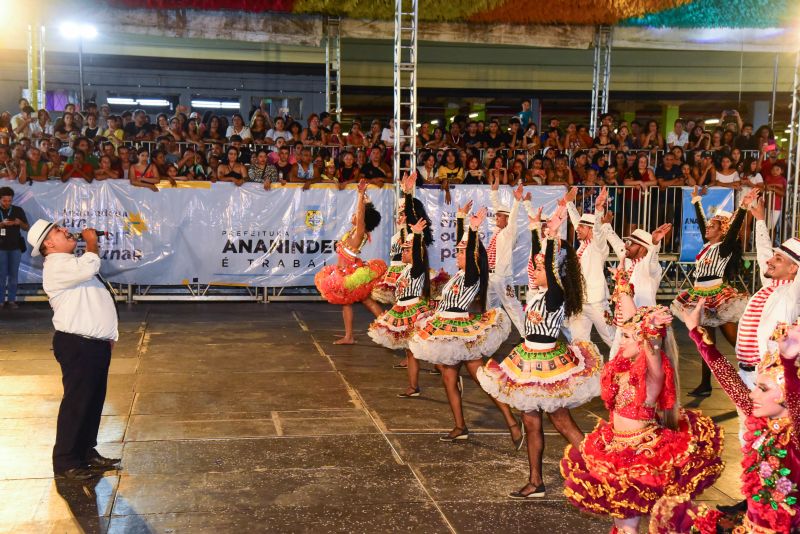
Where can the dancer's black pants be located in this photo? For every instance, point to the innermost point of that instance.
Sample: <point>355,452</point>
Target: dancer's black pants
<point>84,374</point>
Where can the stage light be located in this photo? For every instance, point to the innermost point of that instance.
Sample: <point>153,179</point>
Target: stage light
<point>473,115</point>
<point>117,101</point>
<point>74,30</point>
<point>711,121</point>
<point>152,102</point>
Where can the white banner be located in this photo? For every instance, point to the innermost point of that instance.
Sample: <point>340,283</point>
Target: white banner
<point>222,234</point>
<point>442,253</point>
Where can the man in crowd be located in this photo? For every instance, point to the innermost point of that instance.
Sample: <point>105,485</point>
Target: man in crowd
<point>138,129</point>
<point>12,220</point>
<point>678,136</point>
<point>22,126</point>
<point>376,168</point>
<point>85,320</point>
<point>526,115</point>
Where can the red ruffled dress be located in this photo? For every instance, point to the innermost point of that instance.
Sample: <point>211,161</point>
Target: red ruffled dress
<point>351,280</point>
<point>623,474</point>
<point>771,463</point>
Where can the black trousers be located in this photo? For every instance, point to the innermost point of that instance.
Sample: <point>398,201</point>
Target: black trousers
<point>84,374</point>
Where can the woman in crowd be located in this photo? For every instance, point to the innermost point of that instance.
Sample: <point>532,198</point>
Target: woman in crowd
<point>348,170</point>
<point>426,172</point>
<point>651,138</point>
<point>543,374</point>
<point>771,449</point>
<point>531,140</point>
<point>162,125</point>
<point>65,127</point>
<point>474,175</point>
<point>728,138</point>
<point>259,129</point>
<point>514,135</point>
<point>231,170</point>
<point>450,171</point>
<point>336,138</point>
<point>106,171</point>
<point>454,336</point>
<point>175,130</point>
<point>536,173</point>
<point>624,139</point>
<point>412,288</point>
<point>355,138</point>
<point>716,268</point>
<point>716,142</point>
<point>278,131</point>
<point>36,170</point>
<point>424,134</point>
<point>604,141</point>
<point>144,173</point>
<point>238,127</point>
<point>213,129</point>
<point>351,280</point>
<point>437,140</point>
<point>725,175</point>
<point>193,133</point>
<point>313,135</point>
<point>42,127</point>
<point>497,171</point>
<point>572,141</point>
<point>649,447</point>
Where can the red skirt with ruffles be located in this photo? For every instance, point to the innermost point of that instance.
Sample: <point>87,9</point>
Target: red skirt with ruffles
<point>623,475</point>
<point>350,281</point>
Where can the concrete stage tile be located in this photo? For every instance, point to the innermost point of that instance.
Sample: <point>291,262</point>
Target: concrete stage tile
<point>253,381</point>
<point>199,426</point>
<point>72,525</point>
<point>523,517</point>
<point>42,431</point>
<point>47,500</point>
<point>322,517</point>
<point>186,457</point>
<point>423,449</point>
<point>280,359</point>
<point>329,422</point>
<point>210,402</point>
<point>51,384</point>
<point>249,490</point>
<point>35,460</point>
<point>119,366</point>
<point>23,406</point>
<point>219,336</point>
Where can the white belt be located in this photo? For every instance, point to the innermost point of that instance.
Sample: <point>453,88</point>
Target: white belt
<point>396,263</point>
<point>452,314</point>
<point>708,283</point>
<point>533,346</point>
<point>408,302</point>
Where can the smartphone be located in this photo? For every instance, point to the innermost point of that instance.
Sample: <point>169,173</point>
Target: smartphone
<point>770,148</point>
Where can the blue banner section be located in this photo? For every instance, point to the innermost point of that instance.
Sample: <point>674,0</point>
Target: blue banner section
<point>715,199</point>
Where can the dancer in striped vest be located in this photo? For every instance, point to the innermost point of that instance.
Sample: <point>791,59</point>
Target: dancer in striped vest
<point>395,327</point>
<point>716,268</point>
<point>543,374</point>
<point>454,335</point>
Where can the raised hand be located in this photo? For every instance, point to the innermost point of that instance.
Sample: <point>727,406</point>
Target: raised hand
<point>518,192</point>
<point>362,185</point>
<point>571,195</point>
<point>527,197</point>
<point>608,217</point>
<point>692,318</point>
<point>758,210</point>
<point>601,200</point>
<point>496,182</point>
<point>466,209</point>
<point>536,219</point>
<point>419,226</point>
<point>749,198</point>
<point>409,181</point>
<point>790,344</point>
<point>554,223</point>
<point>661,232</point>
<point>476,220</point>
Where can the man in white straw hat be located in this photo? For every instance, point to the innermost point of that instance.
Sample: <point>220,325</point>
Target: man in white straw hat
<point>638,258</point>
<point>592,255</point>
<point>500,252</point>
<point>85,320</point>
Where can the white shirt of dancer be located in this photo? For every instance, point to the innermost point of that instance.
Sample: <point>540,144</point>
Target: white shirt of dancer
<point>593,260</point>
<point>781,306</point>
<point>646,274</point>
<point>504,242</point>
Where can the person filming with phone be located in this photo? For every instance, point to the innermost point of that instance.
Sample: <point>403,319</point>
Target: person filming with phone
<point>85,320</point>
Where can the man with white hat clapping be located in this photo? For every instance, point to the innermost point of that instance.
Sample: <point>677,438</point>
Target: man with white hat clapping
<point>85,319</point>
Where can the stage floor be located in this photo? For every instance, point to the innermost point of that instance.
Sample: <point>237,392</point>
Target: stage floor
<point>245,418</point>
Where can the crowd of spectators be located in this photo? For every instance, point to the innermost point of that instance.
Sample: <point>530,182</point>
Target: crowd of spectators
<point>97,145</point>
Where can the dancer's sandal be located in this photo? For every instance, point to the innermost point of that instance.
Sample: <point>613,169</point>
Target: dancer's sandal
<point>517,442</point>
<point>457,434</point>
<point>406,395</point>
<point>536,493</point>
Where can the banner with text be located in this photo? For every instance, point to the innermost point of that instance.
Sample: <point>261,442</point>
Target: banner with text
<point>715,199</point>
<point>222,234</point>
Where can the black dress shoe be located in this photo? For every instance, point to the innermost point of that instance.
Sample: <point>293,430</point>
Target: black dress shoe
<point>95,460</point>
<point>76,473</point>
<point>700,391</point>
<point>733,509</point>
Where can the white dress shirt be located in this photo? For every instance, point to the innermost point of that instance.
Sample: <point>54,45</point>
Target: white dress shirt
<point>504,244</point>
<point>593,260</point>
<point>646,274</point>
<point>81,303</point>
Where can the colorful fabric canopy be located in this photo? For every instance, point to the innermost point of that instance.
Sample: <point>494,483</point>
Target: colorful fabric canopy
<point>653,13</point>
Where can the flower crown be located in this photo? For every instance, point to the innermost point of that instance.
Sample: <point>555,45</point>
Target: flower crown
<point>770,364</point>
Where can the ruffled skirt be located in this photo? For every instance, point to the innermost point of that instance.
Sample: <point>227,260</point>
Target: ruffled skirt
<point>350,283</point>
<point>624,474</point>
<point>564,376</point>
<point>384,290</point>
<point>395,327</point>
<point>724,304</point>
<point>442,339</point>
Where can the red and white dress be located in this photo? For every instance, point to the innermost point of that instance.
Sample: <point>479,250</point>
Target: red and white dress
<point>351,280</point>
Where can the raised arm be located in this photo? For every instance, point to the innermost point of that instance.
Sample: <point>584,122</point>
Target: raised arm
<point>472,274</point>
<point>569,199</point>
<point>731,240</point>
<point>417,250</point>
<point>697,202</point>
<point>360,228</point>
<point>554,296</point>
<point>461,214</point>
<point>763,241</point>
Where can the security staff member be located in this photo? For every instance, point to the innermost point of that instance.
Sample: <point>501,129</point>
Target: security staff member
<point>85,320</point>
